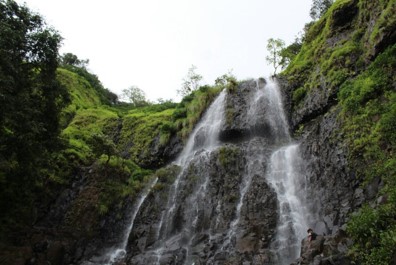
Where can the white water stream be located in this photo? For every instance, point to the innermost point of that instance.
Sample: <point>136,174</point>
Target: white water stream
<point>286,178</point>
<point>289,185</point>
<point>283,174</point>
<point>202,140</point>
<point>119,253</point>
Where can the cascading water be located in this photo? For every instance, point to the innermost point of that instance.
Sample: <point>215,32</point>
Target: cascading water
<point>289,184</point>
<point>285,177</point>
<point>203,140</point>
<point>119,253</point>
<point>223,204</point>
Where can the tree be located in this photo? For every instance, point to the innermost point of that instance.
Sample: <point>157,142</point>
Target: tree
<point>190,82</point>
<point>224,79</point>
<point>102,144</point>
<point>31,100</point>
<point>287,54</point>
<point>134,95</point>
<point>319,7</point>
<point>73,60</point>
<point>274,48</point>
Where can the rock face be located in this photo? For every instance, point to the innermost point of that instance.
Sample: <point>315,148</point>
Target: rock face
<point>325,250</point>
<point>219,209</point>
<point>334,191</point>
<point>250,114</point>
<point>203,222</point>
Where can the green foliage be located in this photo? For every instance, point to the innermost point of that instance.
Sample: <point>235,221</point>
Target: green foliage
<point>102,144</point>
<point>31,100</point>
<point>336,58</point>
<point>190,82</point>
<point>81,93</point>
<point>135,96</point>
<point>299,94</point>
<point>319,7</point>
<point>228,155</point>
<point>369,114</point>
<point>386,22</point>
<point>374,235</point>
<point>179,113</point>
<point>106,97</point>
<point>275,47</point>
<point>288,53</point>
<point>325,62</point>
<point>73,60</point>
<point>141,127</point>
<point>227,81</point>
<point>167,174</point>
<point>192,108</point>
<point>86,126</point>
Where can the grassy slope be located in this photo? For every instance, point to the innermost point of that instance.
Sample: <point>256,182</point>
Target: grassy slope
<point>343,57</point>
<point>123,128</point>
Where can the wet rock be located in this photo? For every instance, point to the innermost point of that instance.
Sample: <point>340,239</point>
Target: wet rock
<point>56,252</point>
<point>158,154</point>
<point>239,125</point>
<point>311,249</point>
<point>325,250</point>
<point>200,225</point>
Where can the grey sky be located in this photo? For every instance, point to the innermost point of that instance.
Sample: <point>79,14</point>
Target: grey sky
<point>153,43</point>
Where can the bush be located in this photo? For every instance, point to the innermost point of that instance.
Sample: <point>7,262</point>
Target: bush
<point>298,95</point>
<point>179,113</point>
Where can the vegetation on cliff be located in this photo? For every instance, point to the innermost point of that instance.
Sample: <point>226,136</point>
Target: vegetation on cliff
<point>348,60</point>
<point>31,100</point>
<point>60,126</point>
<point>59,123</point>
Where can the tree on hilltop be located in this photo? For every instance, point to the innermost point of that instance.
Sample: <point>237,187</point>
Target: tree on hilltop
<point>274,47</point>
<point>73,60</point>
<point>191,82</point>
<point>135,96</point>
<point>319,7</point>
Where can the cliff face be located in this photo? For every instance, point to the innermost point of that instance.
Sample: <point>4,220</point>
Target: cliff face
<point>339,90</point>
<point>221,207</point>
<point>220,200</point>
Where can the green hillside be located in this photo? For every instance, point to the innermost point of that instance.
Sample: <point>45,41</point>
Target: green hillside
<point>351,63</point>
<point>118,143</point>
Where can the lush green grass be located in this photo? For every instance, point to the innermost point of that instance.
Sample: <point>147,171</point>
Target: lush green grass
<point>329,55</point>
<point>369,118</point>
<point>122,127</point>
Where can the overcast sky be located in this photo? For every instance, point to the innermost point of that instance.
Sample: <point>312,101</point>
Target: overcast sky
<point>152,43</point>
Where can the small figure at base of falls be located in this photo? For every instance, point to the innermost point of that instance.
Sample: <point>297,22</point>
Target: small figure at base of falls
<point>311,235</point>
<point>311,246</point>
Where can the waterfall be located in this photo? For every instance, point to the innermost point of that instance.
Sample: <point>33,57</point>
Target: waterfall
<point>200,143</point>
<point>217,211</point>
<point>285,177</point>
<point>288,183</point>
<point>118,253</point>
<point>205,134</point>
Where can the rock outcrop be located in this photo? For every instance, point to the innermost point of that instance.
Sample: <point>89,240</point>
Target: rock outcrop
<point>315,114</point>
<point>325,250</point>
<point>221,208</point>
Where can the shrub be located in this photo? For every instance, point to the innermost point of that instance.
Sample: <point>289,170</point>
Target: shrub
<point>298,95</point>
